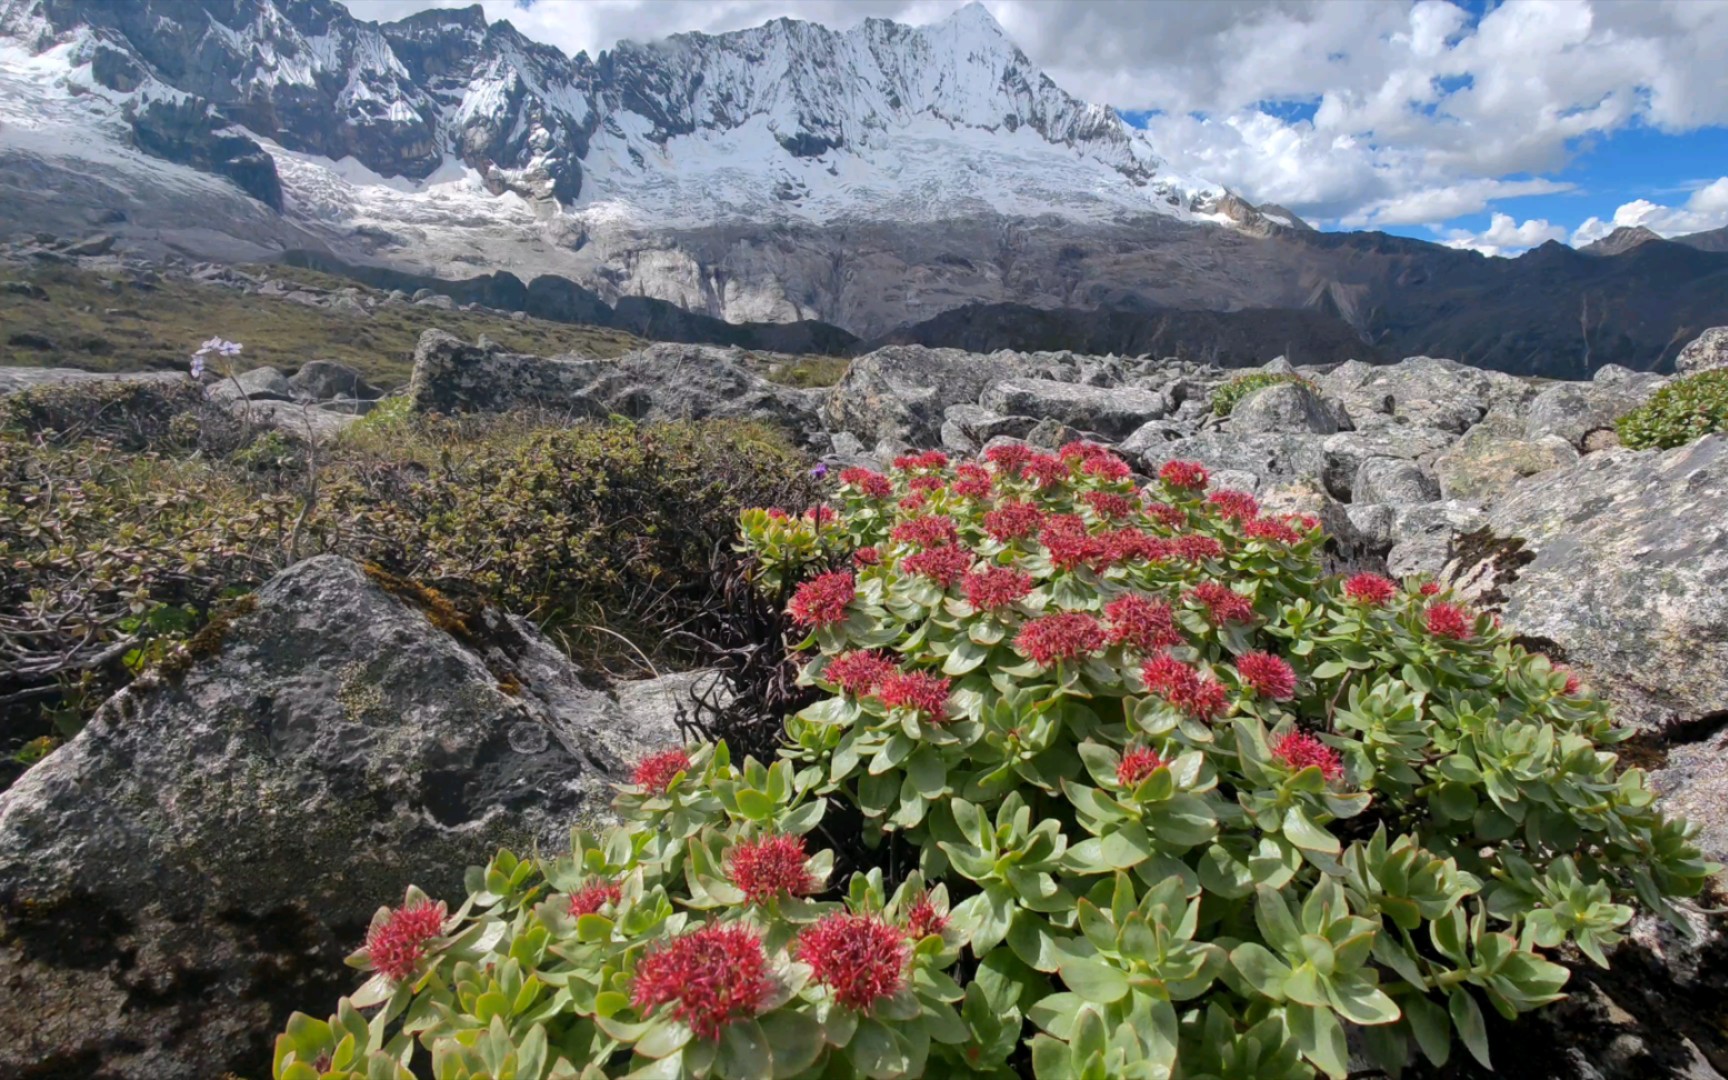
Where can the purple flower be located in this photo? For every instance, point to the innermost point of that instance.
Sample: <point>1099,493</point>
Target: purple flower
<point>197,365</point>
<point>220,347</point>
<point>820,471</point>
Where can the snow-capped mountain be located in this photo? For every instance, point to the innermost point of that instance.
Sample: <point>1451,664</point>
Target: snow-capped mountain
<point>790,121</point>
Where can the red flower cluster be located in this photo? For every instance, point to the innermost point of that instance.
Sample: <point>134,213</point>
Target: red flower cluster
<point>1014,520</point>
<point>1184,475</point>
<point>912,502</point>
<point>1306,521</point>
<point>1045,469</point>
<point>866,556</point>
<point>591,898</point>
<point>821,515</point>
<point>1136,765</point>
<point>929,459</point>
<point>927,484</point>
<point>1107,467</point>
<point>1275,532</point>
<point>1128,545</point>
<point>922,919</point>
<point>716,974</point>
<point>1299,750</point>
<point>654,773</point>
<point>1236,505</point>
<point>776,514</point>
<point>1109,504</point>
<point>859,957</point>
<point>1268,675</point>
<point>1183,687</point>
<point>1224,603</point>
<point>943,565</point>
<point>973,481</point>
<point>873,484</point>
<point>930,531</point>
<point>1429,588</point>
<point>858,673</point>
<point>1370,589</point>
<point>1447,621</point>
<point>769,867</point>
<point>1572,684</point>
<point>822,600</point>
<point>1053,638</point>
<point>1171,517</point>
<point>920,691</point>
<point>1009,458</point>
<point>1197,548</point>
<point>998,586</point>
<point>1142,623</point>
<point>1081,450</point>
<point>1064,536</point>
<point>398,944</point>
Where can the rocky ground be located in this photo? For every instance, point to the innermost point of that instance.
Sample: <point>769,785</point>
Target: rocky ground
<point>197,860</point>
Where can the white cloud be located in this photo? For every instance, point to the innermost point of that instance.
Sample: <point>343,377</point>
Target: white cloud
<point>1705,209</point>
<point>1504,236</point>
<point>1417,109</point>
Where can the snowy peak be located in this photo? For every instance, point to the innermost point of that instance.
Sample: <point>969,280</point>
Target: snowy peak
<point>788,120</point>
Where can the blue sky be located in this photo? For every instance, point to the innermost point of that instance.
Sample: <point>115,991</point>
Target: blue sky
<point>1477,123</point>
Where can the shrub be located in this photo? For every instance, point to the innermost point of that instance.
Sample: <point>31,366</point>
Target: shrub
<point>1144,797</point>
<point>1225,397</point>
<point>120,537</point>
<point>133,414</point>
<point>612,525</point>
<point>1683,411</point>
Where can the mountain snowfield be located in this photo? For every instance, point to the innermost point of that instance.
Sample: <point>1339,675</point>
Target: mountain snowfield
<point>789,122</point>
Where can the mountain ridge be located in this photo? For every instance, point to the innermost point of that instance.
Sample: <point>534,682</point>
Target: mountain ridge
<point>872,180</point>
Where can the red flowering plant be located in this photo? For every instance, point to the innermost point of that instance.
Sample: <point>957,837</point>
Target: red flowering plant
<point>1103,782</point>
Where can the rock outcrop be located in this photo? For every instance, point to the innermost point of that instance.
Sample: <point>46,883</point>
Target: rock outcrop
<point>660,382</point>
<point>197,861</point>
<point>1619,562</point>
<point>1708,350</point>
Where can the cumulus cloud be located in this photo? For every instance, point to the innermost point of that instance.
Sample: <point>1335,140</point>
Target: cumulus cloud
<point>1357,114</point>
<point>1505,236</point>
<point>1705,209</point>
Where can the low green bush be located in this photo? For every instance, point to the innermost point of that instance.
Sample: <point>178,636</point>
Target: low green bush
<point>1225,397</point>
<point>129,513</point>
<point>1683,411</point>
<point>1102,784</point>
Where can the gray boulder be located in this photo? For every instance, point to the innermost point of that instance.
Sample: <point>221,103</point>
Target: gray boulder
<point>258,384</point>
<point>1393,481</point>
<point>192,867</point>
<point>1485,463</point>
<point>1149,442</point>
<point>1619,560</point>
<point>1346,451</point>
<point>1425,536</point>
<point>1423,391</point>
<point>1113,413</point>
<point>297,420</point>
<point>660,382</point>
<point>1375,524</point>
<point>966,427</point>
<point>1707,350</point>
<point>1275,459</point>
<point>16,379</point>
<point>1287,407</point>
<point>323,380</point>
<point>1574,411</point>
<point>902,391</point>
